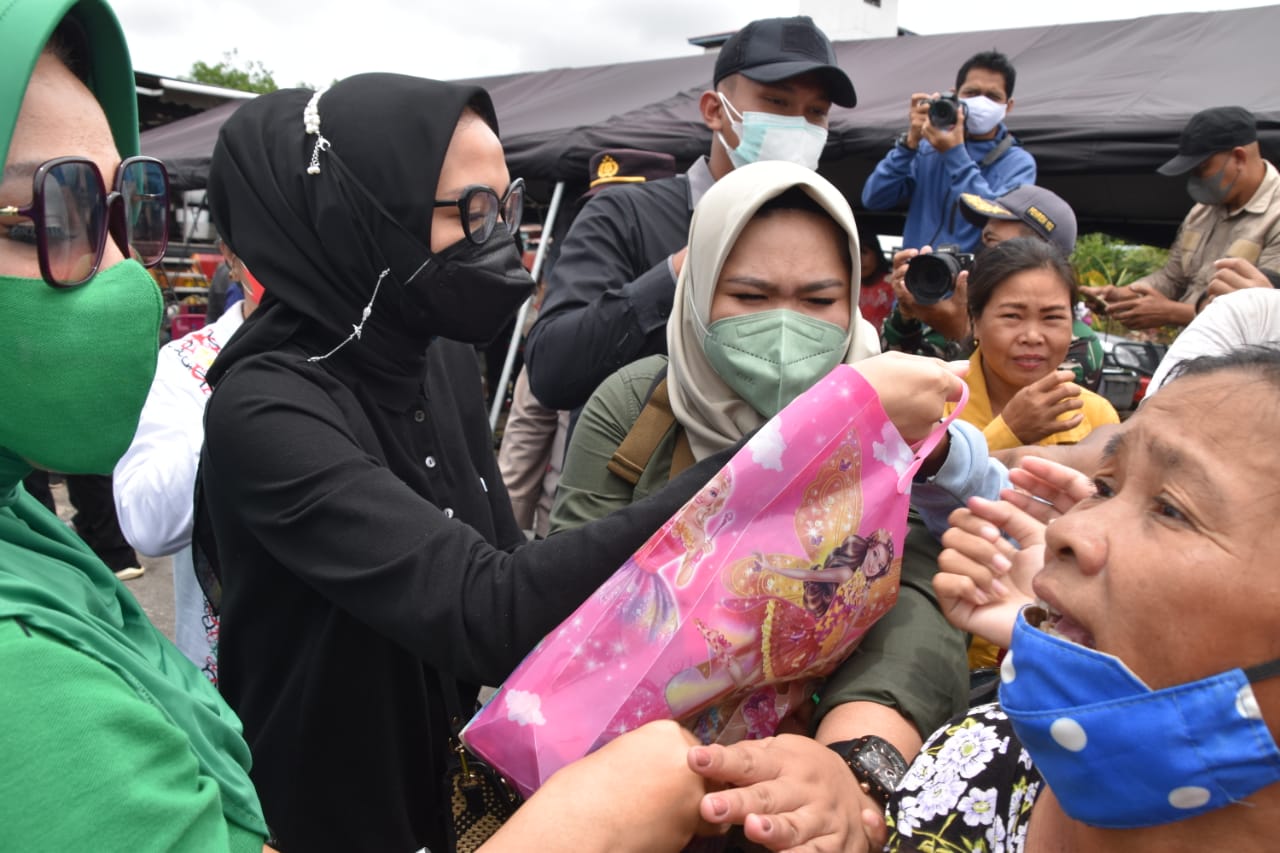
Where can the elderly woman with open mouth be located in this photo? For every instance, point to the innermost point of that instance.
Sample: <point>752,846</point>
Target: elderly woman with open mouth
<point>1139,699</point>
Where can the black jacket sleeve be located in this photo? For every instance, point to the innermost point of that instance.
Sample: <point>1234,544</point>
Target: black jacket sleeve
<point>294,485</point>
<point>610,291</point>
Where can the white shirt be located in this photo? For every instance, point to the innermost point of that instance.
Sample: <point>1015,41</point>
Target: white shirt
<point>1249,316</point>
<point>155,479</point>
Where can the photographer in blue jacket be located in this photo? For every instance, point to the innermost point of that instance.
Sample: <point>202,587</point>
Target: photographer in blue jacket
<point>954,144</point>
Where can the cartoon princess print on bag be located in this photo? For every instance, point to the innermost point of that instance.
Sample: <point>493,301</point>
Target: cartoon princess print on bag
<point>727,616</point>
<point>641,588</point>
<point>787,614</point>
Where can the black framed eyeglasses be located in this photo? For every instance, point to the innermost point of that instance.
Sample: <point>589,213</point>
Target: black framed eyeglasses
<point>71,213</point>
<point>479,206</point>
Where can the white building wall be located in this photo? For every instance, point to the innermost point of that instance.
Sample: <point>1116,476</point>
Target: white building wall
<point>843,20</point>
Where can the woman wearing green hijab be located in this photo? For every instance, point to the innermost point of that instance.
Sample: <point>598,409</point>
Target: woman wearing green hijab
<point>110,738</point>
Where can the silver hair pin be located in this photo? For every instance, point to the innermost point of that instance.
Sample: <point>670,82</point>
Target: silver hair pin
<point>311,120</point>
<point>358,329</point>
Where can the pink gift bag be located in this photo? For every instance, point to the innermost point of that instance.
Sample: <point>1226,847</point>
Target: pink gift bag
<point>763,582</point>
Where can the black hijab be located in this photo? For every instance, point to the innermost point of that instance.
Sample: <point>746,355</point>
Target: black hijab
<point>318,242</point>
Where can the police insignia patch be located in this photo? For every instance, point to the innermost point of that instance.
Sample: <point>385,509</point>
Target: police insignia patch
<point>607,169</point>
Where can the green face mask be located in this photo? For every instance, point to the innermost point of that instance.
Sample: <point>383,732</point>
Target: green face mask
<point>771,357</point>
<point>75,367</point>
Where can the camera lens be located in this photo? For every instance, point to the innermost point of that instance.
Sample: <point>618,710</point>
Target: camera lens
<point>942,113</point>
<point>931,278</point>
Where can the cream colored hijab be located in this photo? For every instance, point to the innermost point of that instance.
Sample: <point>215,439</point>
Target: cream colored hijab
<point>712,414</point>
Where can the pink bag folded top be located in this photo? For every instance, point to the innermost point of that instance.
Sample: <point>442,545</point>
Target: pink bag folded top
<point>762,583</point>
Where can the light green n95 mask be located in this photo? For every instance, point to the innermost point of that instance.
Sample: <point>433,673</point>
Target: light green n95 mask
<point>770,357</point>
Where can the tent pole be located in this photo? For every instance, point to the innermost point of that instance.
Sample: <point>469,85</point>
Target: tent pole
<point>193,221</point>
<point>499,393</point>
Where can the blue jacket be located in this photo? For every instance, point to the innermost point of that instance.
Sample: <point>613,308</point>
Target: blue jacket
<point>933,180</point>
<point>968,470</point>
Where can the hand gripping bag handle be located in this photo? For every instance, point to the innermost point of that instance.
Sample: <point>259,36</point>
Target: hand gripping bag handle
<point>931,441</point>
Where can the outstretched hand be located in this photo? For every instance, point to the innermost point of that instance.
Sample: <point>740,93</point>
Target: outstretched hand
<point>1232,274</point>
<point>635,794</point>
<point>1045,489</point>
<point>913,390</point>
<point>983,579</point>
<point>789,793</point>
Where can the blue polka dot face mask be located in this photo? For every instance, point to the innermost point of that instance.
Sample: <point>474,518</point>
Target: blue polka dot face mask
<point>1119,755</point>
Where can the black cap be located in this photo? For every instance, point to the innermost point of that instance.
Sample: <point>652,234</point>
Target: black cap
<point>774,49</point>
<point>1210,131</point>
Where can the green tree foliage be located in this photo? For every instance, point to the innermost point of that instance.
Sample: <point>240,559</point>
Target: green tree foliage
<point>230,73</point>
<point>1101,259</point>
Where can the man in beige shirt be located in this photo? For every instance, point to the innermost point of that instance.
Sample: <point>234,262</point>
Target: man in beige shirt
<point>1237,215</point>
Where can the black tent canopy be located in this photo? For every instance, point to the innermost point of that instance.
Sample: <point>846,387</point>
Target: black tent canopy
<point>1100,105</point>
<point>186,145</point>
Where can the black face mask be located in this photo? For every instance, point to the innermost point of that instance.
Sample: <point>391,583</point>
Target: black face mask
<point>467,292</point>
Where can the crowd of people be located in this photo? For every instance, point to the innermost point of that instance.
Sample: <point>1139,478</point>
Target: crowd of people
<point>351,571</point>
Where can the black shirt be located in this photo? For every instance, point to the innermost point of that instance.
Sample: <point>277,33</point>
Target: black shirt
<point>366,543</point>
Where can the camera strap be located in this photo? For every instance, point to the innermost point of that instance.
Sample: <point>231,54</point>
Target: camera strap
<point>948,222</point>
<point>992,156</point>
<point>996,153</point>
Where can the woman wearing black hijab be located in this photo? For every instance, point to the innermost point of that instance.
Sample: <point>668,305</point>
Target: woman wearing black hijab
<point>365,540</point>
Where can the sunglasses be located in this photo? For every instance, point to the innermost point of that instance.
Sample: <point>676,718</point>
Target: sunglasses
<point>479,206</point>
<point>71,213</point>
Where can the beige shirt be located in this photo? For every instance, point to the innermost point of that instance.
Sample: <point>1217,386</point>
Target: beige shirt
<point>531,455</point>
<point>1209,232</point>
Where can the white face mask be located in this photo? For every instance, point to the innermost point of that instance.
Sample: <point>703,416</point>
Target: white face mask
<point>981,115</point>
<point>765,136</point>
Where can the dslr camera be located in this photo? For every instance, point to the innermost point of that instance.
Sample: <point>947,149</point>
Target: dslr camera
<point>932,278</point>
<point>944,111</point>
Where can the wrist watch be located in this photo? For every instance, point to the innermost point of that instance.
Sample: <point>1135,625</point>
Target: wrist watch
<point>901,141</point>
<point>876,764</point>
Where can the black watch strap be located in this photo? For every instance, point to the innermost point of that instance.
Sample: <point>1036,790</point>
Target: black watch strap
<point>901,141</point>
<point>876,764</point>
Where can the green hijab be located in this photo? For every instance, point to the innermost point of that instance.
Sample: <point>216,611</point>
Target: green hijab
<point>25,27</point>
<point>49,579</point>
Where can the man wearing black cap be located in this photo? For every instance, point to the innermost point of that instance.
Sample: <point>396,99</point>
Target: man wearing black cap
<point>610,291</point>
<point>1237,215</point>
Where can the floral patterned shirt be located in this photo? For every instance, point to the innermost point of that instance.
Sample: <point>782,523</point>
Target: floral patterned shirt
<point>970,790</point>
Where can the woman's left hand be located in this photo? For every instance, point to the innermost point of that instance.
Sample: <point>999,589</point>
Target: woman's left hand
<point>913,390</point>
<point>789,793</point>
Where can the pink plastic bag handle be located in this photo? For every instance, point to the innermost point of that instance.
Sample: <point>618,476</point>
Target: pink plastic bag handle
<point>931,441</point>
